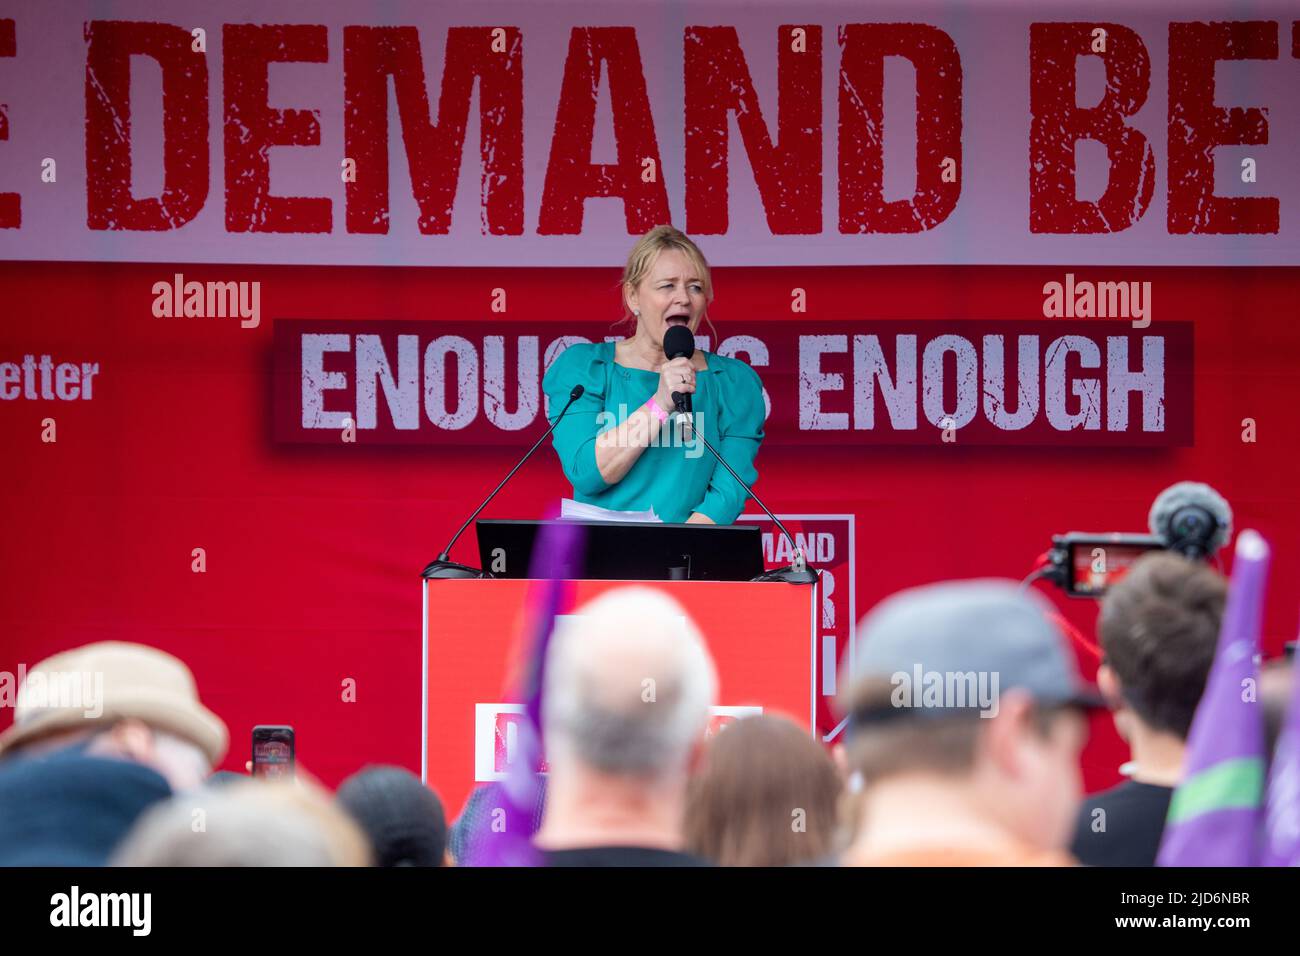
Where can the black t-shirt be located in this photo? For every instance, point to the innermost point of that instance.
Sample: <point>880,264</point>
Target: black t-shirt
<point>620,856</point>
<point>1133,824</point>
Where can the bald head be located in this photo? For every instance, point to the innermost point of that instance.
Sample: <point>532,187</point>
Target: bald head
<point>629,685</point>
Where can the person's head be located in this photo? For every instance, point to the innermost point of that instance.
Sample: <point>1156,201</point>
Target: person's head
<point>1159,627</point>
<point>119,700</point>
<point>967,689</point>
<point>629,685</point>
<point>766,794</point>
<point>666,281</point>
<point>402,818</point>
<point>250,823</point>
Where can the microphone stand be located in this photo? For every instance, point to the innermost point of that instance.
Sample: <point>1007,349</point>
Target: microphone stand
<point>798,571</point>
<point>442,567</point>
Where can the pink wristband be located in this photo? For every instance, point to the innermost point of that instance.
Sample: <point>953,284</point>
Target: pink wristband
<point>655,410</point>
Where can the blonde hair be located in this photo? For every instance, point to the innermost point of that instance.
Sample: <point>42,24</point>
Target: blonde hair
<point>643,256</point>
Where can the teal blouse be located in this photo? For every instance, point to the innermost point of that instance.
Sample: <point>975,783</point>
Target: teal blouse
<point>676,475</point>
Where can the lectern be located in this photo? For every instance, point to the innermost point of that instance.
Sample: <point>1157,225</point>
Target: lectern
<point>762,636</point>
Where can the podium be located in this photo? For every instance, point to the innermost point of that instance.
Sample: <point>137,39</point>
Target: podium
<point>762,636</point>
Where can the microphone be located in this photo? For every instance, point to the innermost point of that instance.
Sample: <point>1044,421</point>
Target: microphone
<point>680,343</point>
<point>1189,518</point>
<point>442,566</point>
<point>799,571</point>
<point>1192,519</point>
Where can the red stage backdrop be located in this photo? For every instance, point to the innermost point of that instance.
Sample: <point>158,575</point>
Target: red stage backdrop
<point>279,285</point>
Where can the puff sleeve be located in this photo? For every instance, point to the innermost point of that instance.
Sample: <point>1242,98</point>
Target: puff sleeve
<point>574,438</point>
<point>741,415</point>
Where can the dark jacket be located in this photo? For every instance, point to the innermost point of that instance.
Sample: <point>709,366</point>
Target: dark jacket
<point>69,809</point>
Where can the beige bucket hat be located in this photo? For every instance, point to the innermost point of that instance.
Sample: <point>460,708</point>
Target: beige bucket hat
<point>100,683</point>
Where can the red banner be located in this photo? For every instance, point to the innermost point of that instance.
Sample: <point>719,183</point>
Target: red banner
<point>1048,382</point>
<point>143,448</point>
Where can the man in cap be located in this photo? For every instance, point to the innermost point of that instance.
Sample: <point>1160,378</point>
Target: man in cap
<point>966,720</point>
<point>100,733</point>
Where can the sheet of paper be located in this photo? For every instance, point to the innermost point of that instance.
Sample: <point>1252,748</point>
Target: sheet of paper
<point>585,512</point>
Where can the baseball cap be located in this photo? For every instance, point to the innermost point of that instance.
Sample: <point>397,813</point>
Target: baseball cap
<point>962,635</point>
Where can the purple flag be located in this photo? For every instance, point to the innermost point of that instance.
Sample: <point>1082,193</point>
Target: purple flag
<point>1214,814</point>
<point>505,830</point>
<point>1281,843</point>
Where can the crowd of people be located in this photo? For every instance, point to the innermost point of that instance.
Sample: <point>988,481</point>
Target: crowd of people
<point>966,718</point>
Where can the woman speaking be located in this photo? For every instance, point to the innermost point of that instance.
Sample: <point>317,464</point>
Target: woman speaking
<point>618,444</point>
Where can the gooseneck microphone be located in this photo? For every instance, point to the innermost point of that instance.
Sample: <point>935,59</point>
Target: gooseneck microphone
<point>680,343</point>
<point>799,571</point>
<point>442,566</point>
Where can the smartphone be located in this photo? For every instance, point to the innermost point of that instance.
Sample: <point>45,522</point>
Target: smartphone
<point>273,747</point>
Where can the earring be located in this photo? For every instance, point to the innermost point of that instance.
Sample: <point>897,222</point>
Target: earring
<point>637,313</point>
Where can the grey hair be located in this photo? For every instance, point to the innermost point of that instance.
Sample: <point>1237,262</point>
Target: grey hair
<point>249,823</point>
<point>614,713</point>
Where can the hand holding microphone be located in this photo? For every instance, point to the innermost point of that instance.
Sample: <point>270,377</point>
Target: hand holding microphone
<point>677,377</point>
